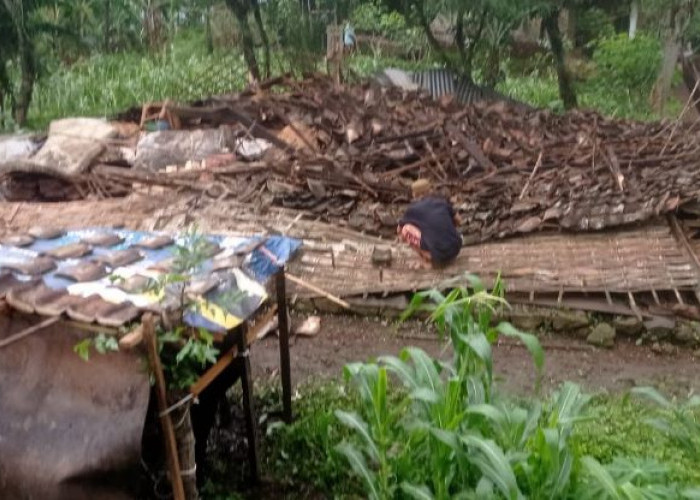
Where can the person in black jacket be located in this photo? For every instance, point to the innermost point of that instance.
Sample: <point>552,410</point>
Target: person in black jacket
<point>429,227</point>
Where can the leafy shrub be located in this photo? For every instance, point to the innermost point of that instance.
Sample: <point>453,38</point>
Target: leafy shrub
<point>105,84</point>
<point>592,24</point>
<point>630,65</point>
<point>618,429</point>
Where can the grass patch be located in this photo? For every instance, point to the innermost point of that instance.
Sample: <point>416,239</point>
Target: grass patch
<point>543,91</point>
<point>618,429</point>
<point>105,84</point>
<point>302,455</point>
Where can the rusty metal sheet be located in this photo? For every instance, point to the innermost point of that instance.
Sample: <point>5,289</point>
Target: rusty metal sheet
<point>69,429</point>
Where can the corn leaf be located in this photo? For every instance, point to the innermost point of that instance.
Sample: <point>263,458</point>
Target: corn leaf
<point>401,369</point>
<point>601,477</point>
<point>426,372</point>
<point>530,341</point>
<point>417,492</point>
<point>494,465</point>
<point>354,421</point>
<point>653,395</point>
<point>359,466</point>
<point>691,493</point>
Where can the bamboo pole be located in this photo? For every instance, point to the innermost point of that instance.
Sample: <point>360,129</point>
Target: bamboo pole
<point>171,451</point>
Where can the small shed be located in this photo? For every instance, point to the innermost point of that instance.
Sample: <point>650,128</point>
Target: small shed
<point>71,428</point>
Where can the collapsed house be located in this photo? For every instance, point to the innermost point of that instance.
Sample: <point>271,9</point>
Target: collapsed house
<point>616,199</point>
<point>577,213</point>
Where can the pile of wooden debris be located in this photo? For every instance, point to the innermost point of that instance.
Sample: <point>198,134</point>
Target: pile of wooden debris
<point>348,155</point>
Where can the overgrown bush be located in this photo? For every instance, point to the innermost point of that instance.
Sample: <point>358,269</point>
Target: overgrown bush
<point>592,24</point>
<point>628,65</point>
<point>104,84</point>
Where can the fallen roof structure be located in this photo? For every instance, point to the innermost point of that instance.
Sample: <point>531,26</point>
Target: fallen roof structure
<point>645,271</point>
<point>350,153</point>
<point>346,155</point>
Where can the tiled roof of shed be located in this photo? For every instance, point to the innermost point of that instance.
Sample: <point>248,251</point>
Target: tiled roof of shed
<point>107,276</point>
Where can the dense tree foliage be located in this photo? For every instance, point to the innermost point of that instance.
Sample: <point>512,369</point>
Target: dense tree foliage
<point>479,39</point>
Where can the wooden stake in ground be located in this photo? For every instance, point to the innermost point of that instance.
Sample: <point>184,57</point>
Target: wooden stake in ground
<point>171,452</point>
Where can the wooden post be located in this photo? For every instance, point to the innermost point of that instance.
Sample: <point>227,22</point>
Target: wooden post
<point>334,51</point>
<point>171,453</point>
<point>248,406</point>
<point>283,326</point>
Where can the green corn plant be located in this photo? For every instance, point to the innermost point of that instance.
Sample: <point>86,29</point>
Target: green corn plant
<point>626,479</point>
<point>449,433</point>
<point>680,422</point>
<point>375,428</point>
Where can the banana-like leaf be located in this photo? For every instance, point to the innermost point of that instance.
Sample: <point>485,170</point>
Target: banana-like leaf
<point>601,477</point>
<point>354,421</point>
<point>653,395</point>
<point>489,458</point>
<point>417,492</point>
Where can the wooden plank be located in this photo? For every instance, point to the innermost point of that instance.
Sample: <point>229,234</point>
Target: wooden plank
<point>171,453</point>
<point>283,328</point>
<point>28,331</point>
<point>210,375</point>
<point>228,357</point>
<point>132,339</point>
<point>249,408</point>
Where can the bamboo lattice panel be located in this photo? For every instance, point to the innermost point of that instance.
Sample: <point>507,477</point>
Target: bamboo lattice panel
<point>638,260</point>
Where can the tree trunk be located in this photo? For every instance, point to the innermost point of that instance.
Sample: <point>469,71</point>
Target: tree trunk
<point>107,26</point>
<point>634,14</point>
<point>263,36</point>
<point>671,51</point>
<point>425,24</point>
<point>566,88</point>
<point>209,34</point>
<point>240,9</point>
<point>27,64</point>
<point>477,39</point>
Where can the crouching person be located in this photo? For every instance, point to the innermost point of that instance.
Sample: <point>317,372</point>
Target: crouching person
<point>429,226</point>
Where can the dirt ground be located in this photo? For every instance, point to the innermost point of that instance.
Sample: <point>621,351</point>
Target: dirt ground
<point>345,339</point>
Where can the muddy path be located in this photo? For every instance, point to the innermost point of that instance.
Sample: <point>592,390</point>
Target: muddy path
<point>345,339</point>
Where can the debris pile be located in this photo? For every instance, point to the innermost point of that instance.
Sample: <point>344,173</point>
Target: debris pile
<point>348,155</point>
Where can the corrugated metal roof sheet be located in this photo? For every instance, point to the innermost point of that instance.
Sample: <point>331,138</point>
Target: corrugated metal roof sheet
<point>109,276</point>
<point>440,82</point>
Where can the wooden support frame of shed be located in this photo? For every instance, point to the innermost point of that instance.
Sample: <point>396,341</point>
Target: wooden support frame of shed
<point>241,339</point>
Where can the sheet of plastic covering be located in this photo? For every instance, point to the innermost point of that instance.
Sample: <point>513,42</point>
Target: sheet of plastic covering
<point>69,429</point>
